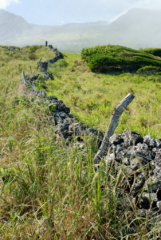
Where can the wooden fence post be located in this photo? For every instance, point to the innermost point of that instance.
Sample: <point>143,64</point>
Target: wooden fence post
<point>112,126</point>
<point>24,77</point>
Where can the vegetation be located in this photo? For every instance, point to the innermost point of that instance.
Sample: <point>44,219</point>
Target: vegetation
<point>103,58</point>
<point>147,69</point>
<point>157,73</point>
<point>49,190</point>
<point>153,51</point>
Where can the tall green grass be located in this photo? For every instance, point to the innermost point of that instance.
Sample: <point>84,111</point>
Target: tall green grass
<point>92,97</point>
<point>49,188</point>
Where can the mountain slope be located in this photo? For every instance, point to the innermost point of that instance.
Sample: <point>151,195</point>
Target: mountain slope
<point>139,25</point>
<point>138,28</point>
<point>12,26</point>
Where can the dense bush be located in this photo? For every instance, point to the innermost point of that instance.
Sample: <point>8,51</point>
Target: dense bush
<point>32,56</point>
<point>102,58</point>
<point>34,48</point>
<point>153,51</point>
<point>147,69</point>
<point>157,73</point>
<point>62,63</point>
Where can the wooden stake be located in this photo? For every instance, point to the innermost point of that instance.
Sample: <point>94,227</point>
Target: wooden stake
<point>112,126</point>
<point>24,77</point>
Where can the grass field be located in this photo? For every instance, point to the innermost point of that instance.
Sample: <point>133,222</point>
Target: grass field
<point>46,190</point>
<point>92,97</point>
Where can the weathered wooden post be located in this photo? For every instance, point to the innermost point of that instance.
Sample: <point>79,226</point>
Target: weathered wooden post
<point>46,43</point>
<point>112,126</point>
<point>24,77</point>
<point>38,63</point>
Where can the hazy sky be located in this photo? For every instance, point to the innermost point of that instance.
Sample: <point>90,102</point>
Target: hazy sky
<point>58,12</point>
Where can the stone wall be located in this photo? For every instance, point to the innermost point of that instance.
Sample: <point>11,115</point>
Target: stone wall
<point>139,158</point>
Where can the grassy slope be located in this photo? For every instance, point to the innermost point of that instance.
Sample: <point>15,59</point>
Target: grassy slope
<point>47,192</point>
<point>101,58</point>
<point>92,97</point>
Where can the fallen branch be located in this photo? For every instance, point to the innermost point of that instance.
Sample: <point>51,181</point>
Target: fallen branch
<point>112,126</point>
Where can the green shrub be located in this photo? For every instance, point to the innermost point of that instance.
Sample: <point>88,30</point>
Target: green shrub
<point>153,51</point>
<point>40,83</point>
<point>17,56</point>
<point>157,73</point>
<point>146,69</point>
<point>102,58</point>
<point>32,56</point>
<point>62,63</point>
<point>34,48</point>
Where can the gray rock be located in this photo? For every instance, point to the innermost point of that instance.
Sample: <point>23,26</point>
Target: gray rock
<point>126,161</point>
<point>132,138</point>
<point>120,152</point>
<point>59,117</point>
<point>71,115</point>
<point>128,201</point>
<point>109,158</point>
<point>48,76</point>
<point>52,98</point>
<point>152,165</point>
<point>63,129</point>
<point>35,77</point>
<point>152,184</point>
<point>157,158</point>
<point>157,171</point>
<point>135,164</point>
<point>138,183</point>
<point>148,199</point>
<point>142,150</point>
<point>97,135</point>
<point>159,205</point>
<point>39,93</point>
<point>42,93</point>
<point>158,143</point>
<point>116,139</point>
<point>76,129</point>
<point>60,106</point>
<point>149,141</point>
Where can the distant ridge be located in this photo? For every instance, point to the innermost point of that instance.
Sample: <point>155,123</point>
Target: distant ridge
<point>138,28</point>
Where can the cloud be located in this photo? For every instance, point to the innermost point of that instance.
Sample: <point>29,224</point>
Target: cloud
<point>58,12</point>
<point>151,4</point>
<point>127,4</point>
<point>5,3</point>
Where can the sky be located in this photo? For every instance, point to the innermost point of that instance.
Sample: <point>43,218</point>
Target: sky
<point>59,12</point>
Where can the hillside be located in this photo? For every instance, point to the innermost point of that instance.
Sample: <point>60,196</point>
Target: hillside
<point>118,58</point>
<point>12,26</point>
<point>138,28</point>
<point>49,186</point>
<point>16,31</point>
